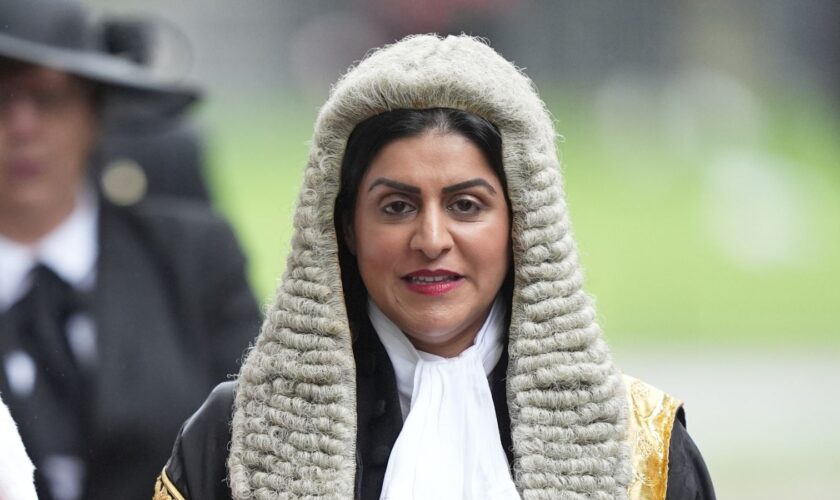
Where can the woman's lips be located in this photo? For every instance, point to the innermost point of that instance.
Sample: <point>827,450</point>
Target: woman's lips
<point>433,282</point>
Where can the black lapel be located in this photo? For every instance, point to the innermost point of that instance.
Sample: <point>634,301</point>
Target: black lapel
<point>498,388</point>
<point>141,351</point>
<point>379,418</point>
<point>149,379</point>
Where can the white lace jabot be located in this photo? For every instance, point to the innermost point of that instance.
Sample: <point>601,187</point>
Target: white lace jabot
<point>449,446</point>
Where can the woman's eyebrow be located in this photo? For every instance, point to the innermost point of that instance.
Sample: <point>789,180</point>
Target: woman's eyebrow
<point>468,184</point>
<point>408,188</point>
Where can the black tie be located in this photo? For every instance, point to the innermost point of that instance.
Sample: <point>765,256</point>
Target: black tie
<point>42,317</point>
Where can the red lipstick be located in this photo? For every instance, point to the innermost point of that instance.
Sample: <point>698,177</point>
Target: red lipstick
<point>433,281</point>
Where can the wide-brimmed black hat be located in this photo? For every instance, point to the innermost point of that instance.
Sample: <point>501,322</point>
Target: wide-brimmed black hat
<point>59,34</point>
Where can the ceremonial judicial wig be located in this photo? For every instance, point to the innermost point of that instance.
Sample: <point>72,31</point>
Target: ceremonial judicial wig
<point>117,317</point>
<point>294,423</point>
<point>324,397</point>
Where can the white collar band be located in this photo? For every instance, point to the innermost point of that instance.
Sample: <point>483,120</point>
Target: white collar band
<point>449,446</point>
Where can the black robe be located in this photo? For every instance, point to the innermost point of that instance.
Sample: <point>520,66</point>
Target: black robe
<point>197,465</point>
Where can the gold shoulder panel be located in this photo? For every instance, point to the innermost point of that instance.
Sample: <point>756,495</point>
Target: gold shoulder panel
<point>165,490</point>
<point>650,421</point>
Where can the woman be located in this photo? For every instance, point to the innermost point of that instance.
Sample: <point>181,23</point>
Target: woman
<point>433,191</point>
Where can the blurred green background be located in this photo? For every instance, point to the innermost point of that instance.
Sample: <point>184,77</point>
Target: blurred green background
<point>701,155</point>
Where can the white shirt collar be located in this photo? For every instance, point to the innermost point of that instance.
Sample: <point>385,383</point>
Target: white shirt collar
<point>404,357</point>
<point>70,250</point>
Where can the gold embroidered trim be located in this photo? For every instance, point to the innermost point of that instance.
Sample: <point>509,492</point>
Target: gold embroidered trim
<point>165,490</point>
<point>650,421</point>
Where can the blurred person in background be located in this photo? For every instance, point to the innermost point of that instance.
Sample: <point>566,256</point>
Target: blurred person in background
<point>431,338</point>
<point>118,312</point>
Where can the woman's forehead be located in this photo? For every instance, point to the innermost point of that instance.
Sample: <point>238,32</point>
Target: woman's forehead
<point>430,159</point>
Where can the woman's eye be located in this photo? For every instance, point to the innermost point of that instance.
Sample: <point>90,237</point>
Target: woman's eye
<point>465,206</point>
<point>397,208</point>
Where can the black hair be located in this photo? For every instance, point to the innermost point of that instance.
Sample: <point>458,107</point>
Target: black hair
<point>367,140</point>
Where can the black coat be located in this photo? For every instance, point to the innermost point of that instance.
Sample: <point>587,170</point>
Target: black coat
<point>197,467</point>
<point>173,314</point>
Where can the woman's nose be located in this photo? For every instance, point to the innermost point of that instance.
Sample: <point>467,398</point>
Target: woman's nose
<point>432,235</point>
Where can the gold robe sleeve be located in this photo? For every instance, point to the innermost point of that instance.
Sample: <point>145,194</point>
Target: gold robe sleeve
<point>650,420</point>
<point>165,490</point>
